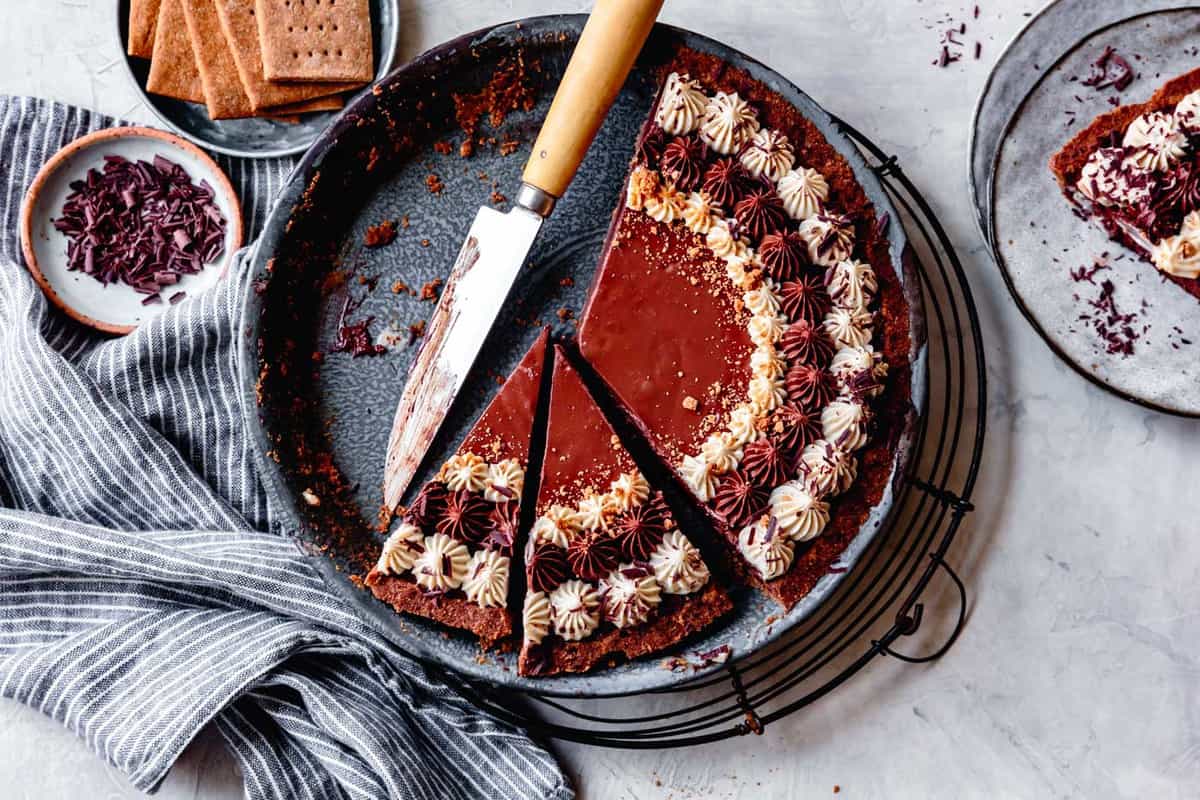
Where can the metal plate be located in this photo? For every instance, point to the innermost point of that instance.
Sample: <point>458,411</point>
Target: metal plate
<point>358,396</point>
<point>252,138</point>
<point>1037,239</point>
<point>1041,43</point>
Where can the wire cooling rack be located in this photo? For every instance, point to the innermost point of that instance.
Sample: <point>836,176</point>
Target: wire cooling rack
<point>886,586</point>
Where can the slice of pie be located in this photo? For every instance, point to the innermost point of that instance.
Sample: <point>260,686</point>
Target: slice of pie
<point>745,313</point>
<point>609,575</point>
<point>1136,169</point>
<point>449,557</point>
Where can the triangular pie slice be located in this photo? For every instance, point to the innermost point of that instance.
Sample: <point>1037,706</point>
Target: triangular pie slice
<point>609,575</point>
<point>1136,170</point>
<point>744,313</point>
<point>449,557</point>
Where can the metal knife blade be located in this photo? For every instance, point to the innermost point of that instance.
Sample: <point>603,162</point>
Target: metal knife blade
<point>497,243</point>
<point>483,273</point>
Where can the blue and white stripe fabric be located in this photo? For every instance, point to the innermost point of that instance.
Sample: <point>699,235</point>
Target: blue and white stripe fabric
<point>139,600</point>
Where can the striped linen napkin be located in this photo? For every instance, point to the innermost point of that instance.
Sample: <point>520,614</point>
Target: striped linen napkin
<point>140,599</point>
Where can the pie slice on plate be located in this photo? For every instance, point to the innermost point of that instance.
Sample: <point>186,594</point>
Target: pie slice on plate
<point>609,575</point>
<point>1136,171</point>
<point>745,314</point>
<point>449,558</point>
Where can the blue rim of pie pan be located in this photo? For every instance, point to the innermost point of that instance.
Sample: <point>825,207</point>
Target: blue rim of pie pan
<point>746,629</point>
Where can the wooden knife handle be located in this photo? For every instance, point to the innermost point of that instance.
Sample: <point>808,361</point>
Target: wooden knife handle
<point>610,42</point>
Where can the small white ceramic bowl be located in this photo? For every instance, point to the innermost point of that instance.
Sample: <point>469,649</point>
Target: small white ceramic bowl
<point>115,308</point>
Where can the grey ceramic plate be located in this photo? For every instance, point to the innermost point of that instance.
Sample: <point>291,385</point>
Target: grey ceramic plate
<point>1037,239</point>
<point>1038,45</point>
<point>252,138</point>
<point>316,223</point>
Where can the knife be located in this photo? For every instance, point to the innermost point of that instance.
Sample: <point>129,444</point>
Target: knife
<point>497,243</point>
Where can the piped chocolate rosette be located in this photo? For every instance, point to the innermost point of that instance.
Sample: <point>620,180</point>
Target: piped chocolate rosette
<point>449,557</point>
<point>1143,184</point>
<point>608,571</point>
<point>788,447</point>
<point>458,535</point>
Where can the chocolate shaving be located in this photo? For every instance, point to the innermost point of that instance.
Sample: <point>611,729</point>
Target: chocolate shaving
<point>141,223</point>
<point>1115,329</point>
<point>1110,69</point>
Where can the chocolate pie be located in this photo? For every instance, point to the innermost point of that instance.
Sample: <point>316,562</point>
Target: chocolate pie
<point>609,575</point>
<point>449,557</point>
<point>747,315</point>
<point>1136,171</point>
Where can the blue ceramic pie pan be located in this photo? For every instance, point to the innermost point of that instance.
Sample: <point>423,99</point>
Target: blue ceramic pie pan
<point>393,156</point>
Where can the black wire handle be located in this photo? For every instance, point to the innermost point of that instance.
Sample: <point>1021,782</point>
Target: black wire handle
<point>753,723</point>
<point>908,624</point>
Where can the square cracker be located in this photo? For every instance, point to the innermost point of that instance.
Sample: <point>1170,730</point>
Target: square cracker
<point>315,40</point>
<point>223,92</point>
<point>241,32</point>
<point>173,71</point>
<point>291,113</point>
<point>332,102</point>
<point>143,17</point>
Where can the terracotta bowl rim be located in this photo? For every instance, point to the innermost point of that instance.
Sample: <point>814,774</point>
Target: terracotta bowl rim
<point>234,235</point>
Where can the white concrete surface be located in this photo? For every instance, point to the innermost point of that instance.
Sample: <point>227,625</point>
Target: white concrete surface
<point>1077,674</point>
